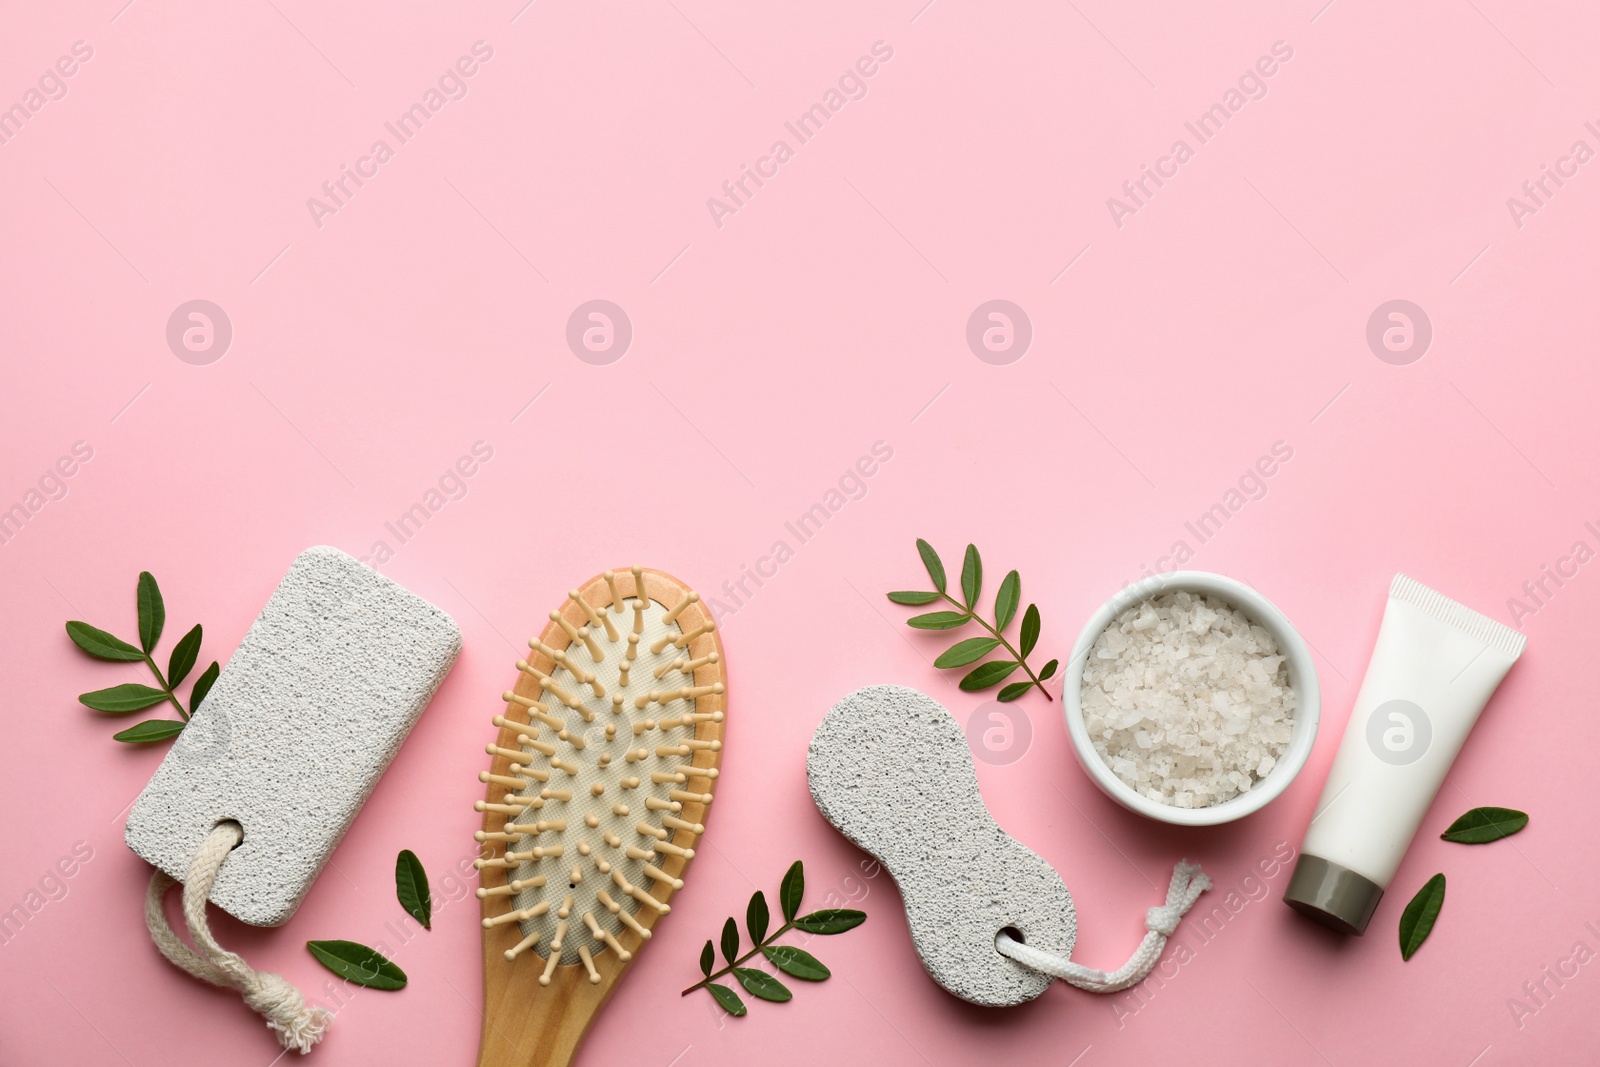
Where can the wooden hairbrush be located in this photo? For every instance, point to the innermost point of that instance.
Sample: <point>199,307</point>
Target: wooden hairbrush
<point>601,775</point>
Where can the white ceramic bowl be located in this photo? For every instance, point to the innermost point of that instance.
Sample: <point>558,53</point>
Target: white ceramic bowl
<point>1302,679</point>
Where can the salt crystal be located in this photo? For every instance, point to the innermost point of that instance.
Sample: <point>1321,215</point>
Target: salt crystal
<point>1187,700</point>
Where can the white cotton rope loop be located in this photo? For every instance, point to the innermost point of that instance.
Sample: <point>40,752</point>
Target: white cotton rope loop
<point>1188,882</point>
<point>272,995</point>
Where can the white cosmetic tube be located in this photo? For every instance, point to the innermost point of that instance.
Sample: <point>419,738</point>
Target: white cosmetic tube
<point>1435,666</point>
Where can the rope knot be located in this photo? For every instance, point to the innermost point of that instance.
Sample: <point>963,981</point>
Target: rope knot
<point>1188,882</point>
<point>271,995</point>
<point>275,997</point>
<point>1163,920</point>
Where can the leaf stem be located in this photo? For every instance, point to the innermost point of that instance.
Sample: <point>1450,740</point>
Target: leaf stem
<point>718,974</point>
<point>165,688</point>
<point>973,612</point>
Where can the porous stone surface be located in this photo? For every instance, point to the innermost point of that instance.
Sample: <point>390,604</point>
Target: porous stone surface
<point>300,725</point>
<point>889,766</point>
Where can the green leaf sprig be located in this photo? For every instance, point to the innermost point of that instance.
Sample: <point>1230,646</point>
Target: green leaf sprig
<point>1479,826</point>
<point>1483,825</point>
<point>358,964</point>
<point>1416,922</point>
<point>963,653</point>
<point>363,966</point>
<point>792,961</point>
<point>132,696</point>
<point>411,888</point>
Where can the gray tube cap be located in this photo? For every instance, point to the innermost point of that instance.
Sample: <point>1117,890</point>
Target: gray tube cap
<point>1333,895</point>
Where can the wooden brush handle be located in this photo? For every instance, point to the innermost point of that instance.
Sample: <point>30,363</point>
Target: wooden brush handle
<point>529,1025</point>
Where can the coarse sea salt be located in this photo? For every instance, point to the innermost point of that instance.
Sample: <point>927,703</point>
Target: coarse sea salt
<point>1187,700</point>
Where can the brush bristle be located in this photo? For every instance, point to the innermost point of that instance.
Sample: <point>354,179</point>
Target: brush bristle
<point>611,735</point>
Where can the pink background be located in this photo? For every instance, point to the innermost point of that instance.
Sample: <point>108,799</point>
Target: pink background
<point>828,313</point>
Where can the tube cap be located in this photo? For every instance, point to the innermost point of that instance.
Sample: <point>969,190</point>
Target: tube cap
<point>1333,895</point>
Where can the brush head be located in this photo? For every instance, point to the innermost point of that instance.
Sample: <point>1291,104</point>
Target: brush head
<point>601,775</point>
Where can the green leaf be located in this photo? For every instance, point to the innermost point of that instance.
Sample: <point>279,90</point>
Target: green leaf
<point>1049,669</point>
<point>202,686</point>
<point>1416,922</point>
<point>797,963</point>
<point>791,889</point>
<point>913,597</point>
<point>1013,691</point>
<point>411,887</point>
<point>152,612</point>
<point>708,956</point>
<point>1482,825</point>
<point>761,984</point>
<point>930,560</point>
<point>969,651</point>
<point>830,921</point>
<point>100,644</point>
<point>728,999</point>
<point>1030,629</point>
<point>986,674</point>
<point>121,699</point>
<point>359,964</point>
<point>756,917</point>
<point>184,654</point>
<point>730,940</point>
<point>1007,599</point>
<point>149,730</point>
<point>938,620</point>
<point>971,578</point>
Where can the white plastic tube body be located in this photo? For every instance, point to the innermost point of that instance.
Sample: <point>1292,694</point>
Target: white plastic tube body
<point>1434,668</point>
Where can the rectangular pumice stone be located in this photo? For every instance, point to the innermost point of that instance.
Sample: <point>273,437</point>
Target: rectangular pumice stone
<point>300,725</point>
